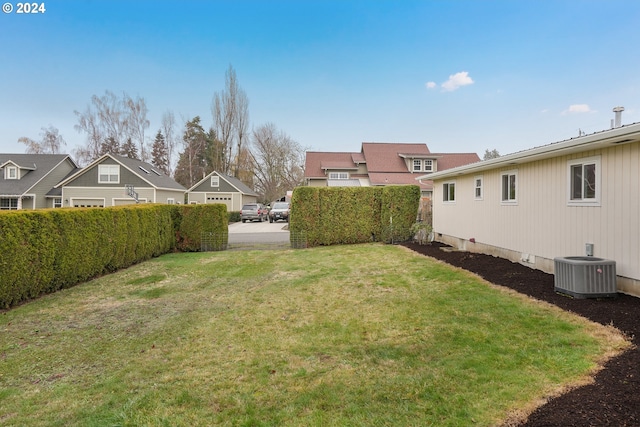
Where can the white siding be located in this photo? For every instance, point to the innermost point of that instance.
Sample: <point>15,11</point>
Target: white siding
<point>542,223</point>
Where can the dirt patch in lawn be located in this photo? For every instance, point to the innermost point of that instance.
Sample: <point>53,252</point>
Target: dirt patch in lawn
<point>613,399</point>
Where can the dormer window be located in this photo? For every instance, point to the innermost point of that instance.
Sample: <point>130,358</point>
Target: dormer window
<point>10,172</point>
<point>420,165</point>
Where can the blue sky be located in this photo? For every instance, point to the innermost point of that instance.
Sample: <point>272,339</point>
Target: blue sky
<point>461,76</point>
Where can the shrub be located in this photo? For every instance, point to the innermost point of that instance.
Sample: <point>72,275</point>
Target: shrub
<point>339,215</point>
<point>47,250</point>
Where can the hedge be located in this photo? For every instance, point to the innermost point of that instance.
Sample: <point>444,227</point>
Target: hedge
<point>342,215</point>
<point>51,249</point>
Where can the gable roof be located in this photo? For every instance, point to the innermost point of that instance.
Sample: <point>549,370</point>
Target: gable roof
<point>597,140</point>
<point>233,181</point>
<point>386,162</point>
<point>39,166</point>
<point>147,172</point>
<point>386,157</point>
<point>317,162</point>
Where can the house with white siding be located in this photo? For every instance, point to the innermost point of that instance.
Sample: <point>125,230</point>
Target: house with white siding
<point>551,201</point>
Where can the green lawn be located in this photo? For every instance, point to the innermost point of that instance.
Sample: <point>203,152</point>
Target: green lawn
<point>357,335</point>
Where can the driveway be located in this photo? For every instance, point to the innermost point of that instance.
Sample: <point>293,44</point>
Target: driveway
<point>258,232</point>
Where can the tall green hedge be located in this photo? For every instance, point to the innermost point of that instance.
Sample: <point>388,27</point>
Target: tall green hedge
<point>196,221</point>
<point>47,250</point>
<point>341,215</point>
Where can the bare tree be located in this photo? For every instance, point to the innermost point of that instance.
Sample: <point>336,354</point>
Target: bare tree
<point>109,116</point>
<point>169,131</point>
<point>137,122</point>
<point>50,142</point>
<point>278,162</point>
<point>493,154</point>
<point>230,110</point>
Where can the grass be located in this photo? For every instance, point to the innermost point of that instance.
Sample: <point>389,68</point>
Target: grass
<point>338,336</point>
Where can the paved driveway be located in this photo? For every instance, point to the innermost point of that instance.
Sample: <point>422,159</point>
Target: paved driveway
<point>258,232</point>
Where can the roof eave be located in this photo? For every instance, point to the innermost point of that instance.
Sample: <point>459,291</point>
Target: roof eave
<point>612,137</point>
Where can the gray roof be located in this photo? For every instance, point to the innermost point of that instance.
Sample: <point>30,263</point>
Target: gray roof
<point>234,182</point>
<point>39,165</point>
<point>241,186</point>
<point>149,173</point>
<point>145,171</point>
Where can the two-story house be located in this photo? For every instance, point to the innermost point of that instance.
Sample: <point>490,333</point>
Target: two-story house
<point>381,163</point>
<point>26,180</point>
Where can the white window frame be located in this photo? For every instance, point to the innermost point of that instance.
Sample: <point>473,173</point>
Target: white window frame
<point>584,201</point>
<point>10,172</point>
<point>447,187</point>
<point>509,200</point>
<point>417,165</point>
<point>428,165</point>
<point>9,204</point>
<point>215,181</point>
<point>478,187</point>
<point>109,171</point>
<point>57,202</point>
<point>338,175</point>
<point>171,201</point>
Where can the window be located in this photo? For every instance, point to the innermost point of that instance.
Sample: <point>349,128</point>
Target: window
<point>171,201</point>
<point>509,187</point>
<point>57,202</point>
<point>109,174</point>
<point>11,172</point>
<point>215,181</point>
<point>449,192</point>
<point>584,181</point>
<point>428,165</point>
<point>338,175</point>
<point>8,204</point>
<point>478,187</point>
<point>422,165</point>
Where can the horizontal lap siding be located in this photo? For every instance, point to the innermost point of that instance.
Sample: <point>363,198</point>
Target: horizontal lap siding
<point>542,223</point>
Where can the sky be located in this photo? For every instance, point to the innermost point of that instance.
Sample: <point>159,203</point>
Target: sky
<point>460,76</point>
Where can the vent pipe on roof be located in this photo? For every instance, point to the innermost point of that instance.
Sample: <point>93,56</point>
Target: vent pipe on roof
<point>618,119</point>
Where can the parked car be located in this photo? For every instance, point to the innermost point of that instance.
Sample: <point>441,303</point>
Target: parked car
<point>279,210</point>
<point>253,211</point>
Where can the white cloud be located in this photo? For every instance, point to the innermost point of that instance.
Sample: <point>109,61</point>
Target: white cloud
<point>577,109</point>
<point>457,80</point>
<point>431,85</point>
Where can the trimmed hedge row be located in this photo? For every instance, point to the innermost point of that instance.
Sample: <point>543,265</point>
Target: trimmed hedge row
<point>343,215</point>
<point>47,250</point>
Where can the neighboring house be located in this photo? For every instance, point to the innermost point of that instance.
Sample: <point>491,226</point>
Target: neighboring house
<point>220,188</point>
<point>549,201</point>
<point>380,164</point>
<point>113,180</point>
<point>26,180</point>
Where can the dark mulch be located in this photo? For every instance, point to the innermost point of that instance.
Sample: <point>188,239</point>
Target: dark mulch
<point>614,398</point>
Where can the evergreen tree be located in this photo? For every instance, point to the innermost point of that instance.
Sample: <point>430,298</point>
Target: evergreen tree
<point>129,149</point>
<point>159,155</point>
<point>109,145</point>
<point>191,165</point>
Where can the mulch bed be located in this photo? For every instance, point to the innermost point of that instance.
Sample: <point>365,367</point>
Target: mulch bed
<point>614,398</point>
